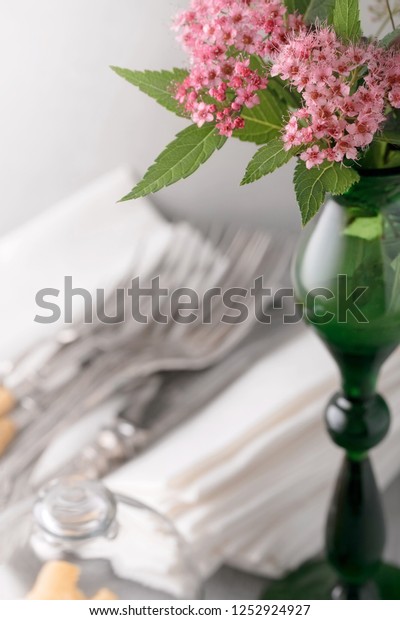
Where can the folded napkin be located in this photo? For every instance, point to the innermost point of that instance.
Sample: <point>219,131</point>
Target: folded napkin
<point>248,480</point>
<point>88,237</point>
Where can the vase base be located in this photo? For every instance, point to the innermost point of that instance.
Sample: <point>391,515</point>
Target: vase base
<point>316,580</point>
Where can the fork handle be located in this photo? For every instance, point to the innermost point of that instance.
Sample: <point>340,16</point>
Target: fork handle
<point>7,401</point>
<point>120,440</point>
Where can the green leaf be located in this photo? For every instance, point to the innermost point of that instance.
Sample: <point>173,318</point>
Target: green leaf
<point>393,160</point>
<point>282,91</point>
<point>391,130</point>
<point>346,19</point>
<point>290,5</point>
<point>289,97</point>
<point>391,38</point>
<point>321,10</point>
<point>310,190</point>
<point>263,122</point>
<point>157,84</point>
<point>390,136</point>
<point>312,185</point>
<point>338,179</point>
<point>374,156</point>
<point>266,160</point>
<point>380,154</point>
<point>395,297</point>
<point>367,228</point>
<point>297,5</point>
<point>191,148</point>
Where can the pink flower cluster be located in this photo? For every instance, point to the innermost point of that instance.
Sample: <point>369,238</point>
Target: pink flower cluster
<point>345,90</point>
<point>219,36</point>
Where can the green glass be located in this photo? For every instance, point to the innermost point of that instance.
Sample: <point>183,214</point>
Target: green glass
<point>347,275</point>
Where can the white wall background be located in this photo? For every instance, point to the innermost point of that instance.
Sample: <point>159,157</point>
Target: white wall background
<point>66,118</point>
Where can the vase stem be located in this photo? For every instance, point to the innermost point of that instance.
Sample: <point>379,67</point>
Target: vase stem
<point>356,530</point>
<point>355,534</point>
<point>360,372</point>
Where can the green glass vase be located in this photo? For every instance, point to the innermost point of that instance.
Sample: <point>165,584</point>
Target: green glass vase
<point>347,276</point>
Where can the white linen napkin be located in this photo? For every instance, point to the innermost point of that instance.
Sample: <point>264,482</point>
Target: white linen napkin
<point>248,480</point>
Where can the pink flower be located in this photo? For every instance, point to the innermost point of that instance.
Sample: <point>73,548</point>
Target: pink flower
<point>394,97</point>
<point>345,149</point>
<point>246,97</point>
<point>363,130</point>
<point>345,90</point>
<point>322,73</point>
<point>313,157</point>
<point>209,31</point>
<point>202,114</point>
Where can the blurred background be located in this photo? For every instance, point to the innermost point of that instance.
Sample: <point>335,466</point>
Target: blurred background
<point>66,118</point>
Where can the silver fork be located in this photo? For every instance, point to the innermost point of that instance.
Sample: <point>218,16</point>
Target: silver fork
<point>68,405</point>
<point>76,347</point>
<point>173,346</point>
<point>167,347</point>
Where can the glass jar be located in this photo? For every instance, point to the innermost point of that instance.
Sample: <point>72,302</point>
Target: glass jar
<point>115,543</point>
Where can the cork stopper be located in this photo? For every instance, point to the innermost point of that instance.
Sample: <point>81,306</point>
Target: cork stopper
<point>104,594</point>
<point>7,401</point>
<point>8,431</point>
<point>57,581</point>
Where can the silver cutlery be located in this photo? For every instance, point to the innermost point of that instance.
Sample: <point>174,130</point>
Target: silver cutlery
<point>138,424</point>
<point>159,347</point>
<point>57,363</point>
<point>141,423</point>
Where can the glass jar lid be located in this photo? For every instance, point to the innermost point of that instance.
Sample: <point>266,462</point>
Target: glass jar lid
<point>75,509</point>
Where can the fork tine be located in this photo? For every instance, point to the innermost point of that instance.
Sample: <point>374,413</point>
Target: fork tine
<point>260,251</point>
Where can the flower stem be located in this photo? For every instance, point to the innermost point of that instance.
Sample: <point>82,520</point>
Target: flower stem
<point>390,14</point>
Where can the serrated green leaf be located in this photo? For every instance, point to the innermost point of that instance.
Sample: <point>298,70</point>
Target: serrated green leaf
<point>263,122</point>
<point>346,19</point>
<point>310,190</point>
<point>157,84</point>
<point>266,160</point>
<point>312,185</point>
<point>338,179</point>
<point>321,10</point>
<point>391,38</point>
<point>192,147</point>
<point>367,228</point>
